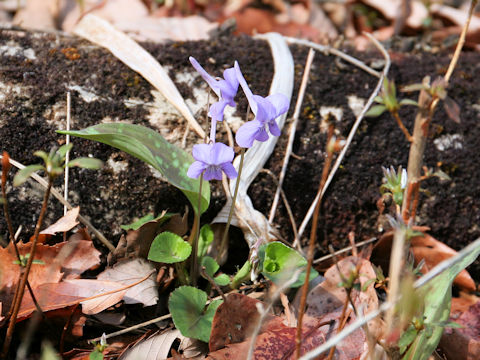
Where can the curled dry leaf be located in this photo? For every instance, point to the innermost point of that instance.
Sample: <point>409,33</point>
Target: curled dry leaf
<point>65,223</point>
<point>130,271</point>
<point>154,347</point>
<point>137,242</point>
<point>434,252</point>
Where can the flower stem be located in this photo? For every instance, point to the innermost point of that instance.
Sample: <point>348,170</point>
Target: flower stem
<point>402,126</point>
<point>24,279</point>
<point>194,263</point>
<point>223,244</point>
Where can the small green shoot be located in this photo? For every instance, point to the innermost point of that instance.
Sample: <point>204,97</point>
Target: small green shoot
<point>187,306</point>
<point>54,164</point>
<point>97,353</point>
<point>169,248</point>
<point>278,261</point>
<point>394,183</point>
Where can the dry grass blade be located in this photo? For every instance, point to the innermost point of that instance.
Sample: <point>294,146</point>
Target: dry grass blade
<point>138,59</point>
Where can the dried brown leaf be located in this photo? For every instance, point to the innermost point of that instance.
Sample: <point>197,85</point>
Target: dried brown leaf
<point>65,223</point>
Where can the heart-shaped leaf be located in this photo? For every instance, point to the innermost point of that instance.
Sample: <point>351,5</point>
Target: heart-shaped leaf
<point>150,147</point>
<point>169,248</point>
<point>187,306</point>
<point>278,262</point>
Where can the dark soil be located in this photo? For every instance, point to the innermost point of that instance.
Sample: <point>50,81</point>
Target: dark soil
<point>450,208</point>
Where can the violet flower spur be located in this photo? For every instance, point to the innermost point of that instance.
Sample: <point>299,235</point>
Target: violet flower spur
<point>211,160</point>
<point>225,89</point>
<point>266,110</point>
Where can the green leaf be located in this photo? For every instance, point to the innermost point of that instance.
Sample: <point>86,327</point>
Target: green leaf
<point>48,352</point>
<point>96,355</point>
<point>160,219</point>
<point>150,147</point>
<point>242,275</point>
<point>41,154</point>
<point>187,306</point>
<point>438,295</point>
<point>169,248</point>
<point>86,163</point>
<point>376,110</point>
<point>278,262</point>
<point>62,151</point>
<point>222,279</point>
<point>408,102</point>
<point>407,338</point>
<point>24,174</point>
<point>211,266</point>
<point>204,240</point>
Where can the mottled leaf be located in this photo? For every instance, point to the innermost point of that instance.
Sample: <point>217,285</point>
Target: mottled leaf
<point>187,306</point>
<point>150,147</point>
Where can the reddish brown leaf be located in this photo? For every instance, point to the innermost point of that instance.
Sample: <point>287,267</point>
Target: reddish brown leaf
<point>434,252</point>
<point>277,342</point>
<point>423,247</point>
<point>464,343</point>
<point>234,321</point>
<point>137,242</point>
<point>65,223</point>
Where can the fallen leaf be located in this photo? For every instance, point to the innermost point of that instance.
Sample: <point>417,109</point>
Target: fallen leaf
<point>37,14</point>
<point>434,252</point>
<point>231,325</point>
<point>78,256</point>
<point>137,243</point>
<point>154,347</point>
<point>129,271</point>
<point>423,248</point>
<point>65,223</point>
<point>328,296</point>
<point>390,9</point>
<point>463,343</point>
<point>52,296</point>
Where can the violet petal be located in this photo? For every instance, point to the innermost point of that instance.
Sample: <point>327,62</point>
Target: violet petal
<point>196,169</point>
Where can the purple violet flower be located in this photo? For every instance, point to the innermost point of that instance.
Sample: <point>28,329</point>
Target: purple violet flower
<point>211,160</point>
<point>266,110</point>
<point>226,89</point>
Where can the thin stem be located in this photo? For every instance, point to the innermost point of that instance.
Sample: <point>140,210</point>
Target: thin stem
<point>402,126</point>
<point>461,42</point>
<point>223,244</point>
<point>23,281</point>
<point>291,136</point>
<point>213,283</point>
<point>311,247</point>
<point>396,264</point>
<point>194,263</point>
<point>5,170</point>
